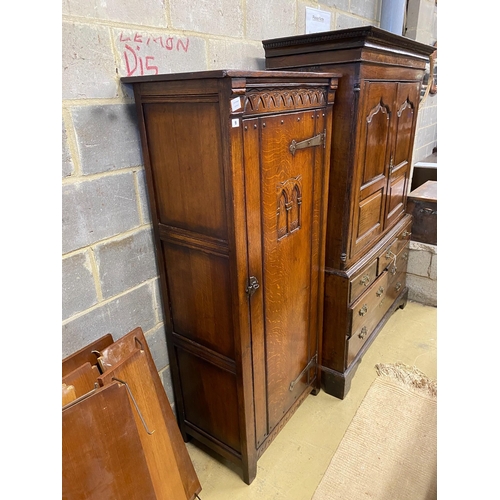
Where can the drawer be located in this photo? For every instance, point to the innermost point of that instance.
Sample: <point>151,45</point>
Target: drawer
<point>366,313</point>
<point>362,281</point>
<point>395,285</point>
<point>401,241</point>
<point>399,262</point>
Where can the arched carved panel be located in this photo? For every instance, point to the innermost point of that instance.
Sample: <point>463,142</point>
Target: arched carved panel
<point>294,213</point>
<point>282,215</point>
<point>376,136</point>
<point>289,206</point>
<point>405,117</point>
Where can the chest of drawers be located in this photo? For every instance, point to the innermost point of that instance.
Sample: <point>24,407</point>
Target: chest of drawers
<point>374,126</point>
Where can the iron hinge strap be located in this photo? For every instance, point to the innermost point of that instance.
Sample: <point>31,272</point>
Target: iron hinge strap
<point>312,362</point>
<point>317,140</point>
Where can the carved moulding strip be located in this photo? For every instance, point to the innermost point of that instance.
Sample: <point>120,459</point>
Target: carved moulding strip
<point>379,107</point>
<point>270,101</point>
<point>406,104</point>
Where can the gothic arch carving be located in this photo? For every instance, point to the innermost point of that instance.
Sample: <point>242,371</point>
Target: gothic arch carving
<point>289,211</point>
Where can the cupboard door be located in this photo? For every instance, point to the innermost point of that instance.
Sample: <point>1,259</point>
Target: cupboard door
<point>372,164</point>
<point>283,196</point>
<point>401,150</point>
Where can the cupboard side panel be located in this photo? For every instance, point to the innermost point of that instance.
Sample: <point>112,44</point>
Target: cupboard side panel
<point>200,297</point>
<point>210,399</point>
<point>185,155</point>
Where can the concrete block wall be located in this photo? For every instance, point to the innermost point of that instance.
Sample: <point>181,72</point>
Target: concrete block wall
<point>421,25</point>
<point>421,277</point>
<point>109,276</point>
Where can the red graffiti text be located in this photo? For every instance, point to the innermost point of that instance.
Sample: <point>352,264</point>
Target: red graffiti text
<point>139,60</point>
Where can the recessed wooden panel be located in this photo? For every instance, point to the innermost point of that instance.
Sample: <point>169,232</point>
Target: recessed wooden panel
<point>187,165</point>
<point>405,121</point>
<point>377,118</point>
<point>396,196</point>
<point>210,398</point>
<point>199,294</point>
<point>375,139</point>
<point>370,215</point>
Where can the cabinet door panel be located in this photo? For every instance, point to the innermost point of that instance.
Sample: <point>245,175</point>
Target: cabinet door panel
<point>401,150</point>
<point>288,230</point>
<point>376,118</point>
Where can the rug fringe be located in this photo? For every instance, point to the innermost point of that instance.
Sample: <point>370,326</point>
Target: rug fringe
<point>409,376</point>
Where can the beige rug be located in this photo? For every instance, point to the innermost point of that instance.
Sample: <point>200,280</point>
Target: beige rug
<point>389,451</point>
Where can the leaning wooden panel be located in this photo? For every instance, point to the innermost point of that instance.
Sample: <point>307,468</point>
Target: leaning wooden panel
<point>133,373</point>
<point>83,379</point>
<point>102,454</point>
<point>120,350</point>
<point>85,354</point>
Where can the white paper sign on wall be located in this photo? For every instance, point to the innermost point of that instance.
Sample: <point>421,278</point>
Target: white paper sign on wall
<point>317,20</point>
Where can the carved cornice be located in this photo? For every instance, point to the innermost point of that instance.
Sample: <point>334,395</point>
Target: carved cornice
<point>359,36</point>
<point>267,101</point>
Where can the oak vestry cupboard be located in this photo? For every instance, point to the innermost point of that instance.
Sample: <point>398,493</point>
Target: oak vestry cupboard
<point>237,167</point>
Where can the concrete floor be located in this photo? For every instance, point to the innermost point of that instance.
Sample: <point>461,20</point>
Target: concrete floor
<point>294,463</point>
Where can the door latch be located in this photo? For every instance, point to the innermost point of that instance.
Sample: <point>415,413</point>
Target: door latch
<point>252,286</point>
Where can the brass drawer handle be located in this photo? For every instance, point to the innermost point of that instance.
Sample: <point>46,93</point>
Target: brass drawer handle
<point>405,256</point>
<point>428,211</point>
<point>405,234</point>
<point>394,270</point>
<point>389,254</point>
<point>363,310</point>
<point>380,291</point>
<point>364,280</point>
<point>363,333</point>
<point>398,287</point>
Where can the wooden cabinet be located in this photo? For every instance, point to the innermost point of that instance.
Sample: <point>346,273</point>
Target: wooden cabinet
<point>237,173</point>
<point>422,205</point>
<point>372,142</point>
